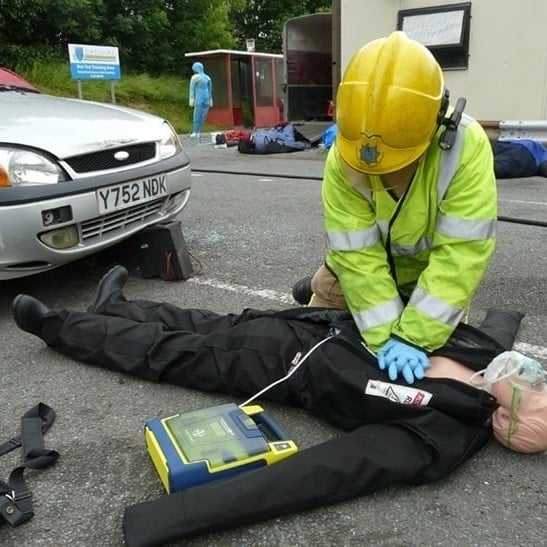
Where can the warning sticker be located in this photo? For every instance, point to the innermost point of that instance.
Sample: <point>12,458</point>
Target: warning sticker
<point>398,394</point>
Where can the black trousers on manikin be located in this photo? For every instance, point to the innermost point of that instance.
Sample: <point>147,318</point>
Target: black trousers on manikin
<point>384,441</point>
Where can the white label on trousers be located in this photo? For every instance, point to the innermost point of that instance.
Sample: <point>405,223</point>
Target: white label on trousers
<point>398,394</point>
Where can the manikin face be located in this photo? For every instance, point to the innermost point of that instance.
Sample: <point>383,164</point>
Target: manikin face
<point>520,388</point>
<point>520,423</point>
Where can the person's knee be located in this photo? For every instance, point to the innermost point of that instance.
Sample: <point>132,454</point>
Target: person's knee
<point>326,290</point>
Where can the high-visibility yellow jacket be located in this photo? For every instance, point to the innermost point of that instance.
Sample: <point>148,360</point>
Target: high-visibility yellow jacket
<point>440,240</point>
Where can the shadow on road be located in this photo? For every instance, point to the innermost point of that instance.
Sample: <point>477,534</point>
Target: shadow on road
<point>62,283</point>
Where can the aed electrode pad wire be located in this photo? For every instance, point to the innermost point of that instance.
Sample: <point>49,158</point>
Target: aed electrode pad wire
<point>296,365</point>
<point>292,370</point>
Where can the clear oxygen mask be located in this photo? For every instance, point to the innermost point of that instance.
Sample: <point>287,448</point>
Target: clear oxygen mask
<point>517,369</point>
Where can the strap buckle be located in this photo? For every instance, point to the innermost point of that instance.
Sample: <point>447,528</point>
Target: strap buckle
<point>10,510</point>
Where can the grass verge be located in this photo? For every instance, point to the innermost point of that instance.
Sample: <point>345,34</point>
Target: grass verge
<point>165,96</point>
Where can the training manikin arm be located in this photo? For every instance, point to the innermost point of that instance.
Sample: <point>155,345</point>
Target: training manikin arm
<point>429,445</point>
<point>357,256</point>
<point>192,90</point>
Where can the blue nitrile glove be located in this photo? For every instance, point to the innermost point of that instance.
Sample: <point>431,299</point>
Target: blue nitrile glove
<point>399,357</point>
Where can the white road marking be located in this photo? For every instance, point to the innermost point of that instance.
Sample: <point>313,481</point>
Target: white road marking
<point>265,180</point>
<point>197,175</point>
<point>539,352</point>
<point>526,202</point>
<point>267,294</point>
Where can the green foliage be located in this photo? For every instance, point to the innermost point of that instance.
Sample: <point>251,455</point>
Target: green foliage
<point>141,31</point>
<point>166,96</point>
<point>152,35</point>
<point>198,25</point>
<point>50,23</point>
<point>23,57</point>
<point>264,20</point>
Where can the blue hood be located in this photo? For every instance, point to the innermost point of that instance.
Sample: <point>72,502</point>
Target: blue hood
<point>197,68</point>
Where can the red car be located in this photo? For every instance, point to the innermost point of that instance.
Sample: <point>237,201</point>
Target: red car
<point>9,78</point>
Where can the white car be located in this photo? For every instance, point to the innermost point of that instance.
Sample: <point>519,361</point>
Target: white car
<point>78,176</point>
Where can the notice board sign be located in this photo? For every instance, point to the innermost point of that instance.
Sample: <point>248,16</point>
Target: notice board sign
<point>88,62</point>
<point>436,29</point>
<point>444,30</point>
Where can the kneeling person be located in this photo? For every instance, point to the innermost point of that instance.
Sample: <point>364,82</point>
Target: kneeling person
<point>436,424</point>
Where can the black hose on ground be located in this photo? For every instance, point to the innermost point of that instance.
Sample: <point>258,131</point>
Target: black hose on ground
<point>265,175</point>
<point>513,220</point>
<point>526,221</point>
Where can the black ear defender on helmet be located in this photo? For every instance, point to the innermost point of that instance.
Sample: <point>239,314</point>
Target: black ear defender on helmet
<point>446,142</point>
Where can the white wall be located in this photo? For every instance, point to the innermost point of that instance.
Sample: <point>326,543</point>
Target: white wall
<point>507,73</point>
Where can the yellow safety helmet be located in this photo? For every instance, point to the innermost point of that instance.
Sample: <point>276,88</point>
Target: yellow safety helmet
<point>388,104</point>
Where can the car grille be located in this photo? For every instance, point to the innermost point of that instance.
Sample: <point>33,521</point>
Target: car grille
<point>99,161</point>
<point>107,225</point>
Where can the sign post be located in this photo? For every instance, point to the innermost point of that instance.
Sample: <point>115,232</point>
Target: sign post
<point>89,62</point>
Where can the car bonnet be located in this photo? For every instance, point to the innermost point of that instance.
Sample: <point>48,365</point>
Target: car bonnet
<point>69,127</point>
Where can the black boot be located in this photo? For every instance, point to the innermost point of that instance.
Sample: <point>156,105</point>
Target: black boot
<point>111,282</point>
<point>29,314</point>
<point>302,292</point>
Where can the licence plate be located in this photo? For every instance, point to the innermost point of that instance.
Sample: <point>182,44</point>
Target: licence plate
<point>121,196</point>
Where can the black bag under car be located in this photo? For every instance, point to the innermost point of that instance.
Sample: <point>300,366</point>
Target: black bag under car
<point>161,252</point>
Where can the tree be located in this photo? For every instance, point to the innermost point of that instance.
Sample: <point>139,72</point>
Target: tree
<point>199,25</point>
<point>140,28</point>
<point>50,22</point>
<point>152,35</point>
<point>36,29</point>
<point>264,20</point>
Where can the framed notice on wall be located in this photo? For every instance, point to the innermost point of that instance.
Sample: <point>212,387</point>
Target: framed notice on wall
<point>444,30</point>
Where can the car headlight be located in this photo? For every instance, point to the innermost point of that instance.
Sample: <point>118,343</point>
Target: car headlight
<point>169,143</point>
<point>21,167</point>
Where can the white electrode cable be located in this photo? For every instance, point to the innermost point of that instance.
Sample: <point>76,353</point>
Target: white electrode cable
<point>375,355</point>
<point>292,370</point>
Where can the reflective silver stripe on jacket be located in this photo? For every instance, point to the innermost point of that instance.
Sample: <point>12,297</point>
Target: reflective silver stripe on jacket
<point>353,241</point>
<point>357,181</point>
<point>435,307</point>
<point>465,228</point>
<point>450,161</point>
<point>423,244</point>
<point>383,225</point>
<point>379,315</point>
<point>360,187</point>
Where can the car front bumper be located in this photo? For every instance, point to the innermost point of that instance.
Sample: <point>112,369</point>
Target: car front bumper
<point>22,221</point>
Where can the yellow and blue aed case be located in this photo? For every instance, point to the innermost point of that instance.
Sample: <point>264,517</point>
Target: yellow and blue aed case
<point>214,443</point>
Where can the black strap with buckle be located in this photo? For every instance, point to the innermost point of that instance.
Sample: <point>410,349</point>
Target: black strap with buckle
<point>15,497</point>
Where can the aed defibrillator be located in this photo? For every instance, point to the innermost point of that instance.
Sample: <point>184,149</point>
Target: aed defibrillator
<point>214,443</point>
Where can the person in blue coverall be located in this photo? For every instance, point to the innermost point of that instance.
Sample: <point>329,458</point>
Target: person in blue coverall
<point>200,97</point>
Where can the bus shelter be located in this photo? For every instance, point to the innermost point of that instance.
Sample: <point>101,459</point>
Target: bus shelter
<point>247,87</point>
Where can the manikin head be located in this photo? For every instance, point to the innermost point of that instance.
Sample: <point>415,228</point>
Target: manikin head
<point>519,385</point>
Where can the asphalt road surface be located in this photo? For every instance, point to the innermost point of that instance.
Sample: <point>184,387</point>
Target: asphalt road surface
<point>253,237</point>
